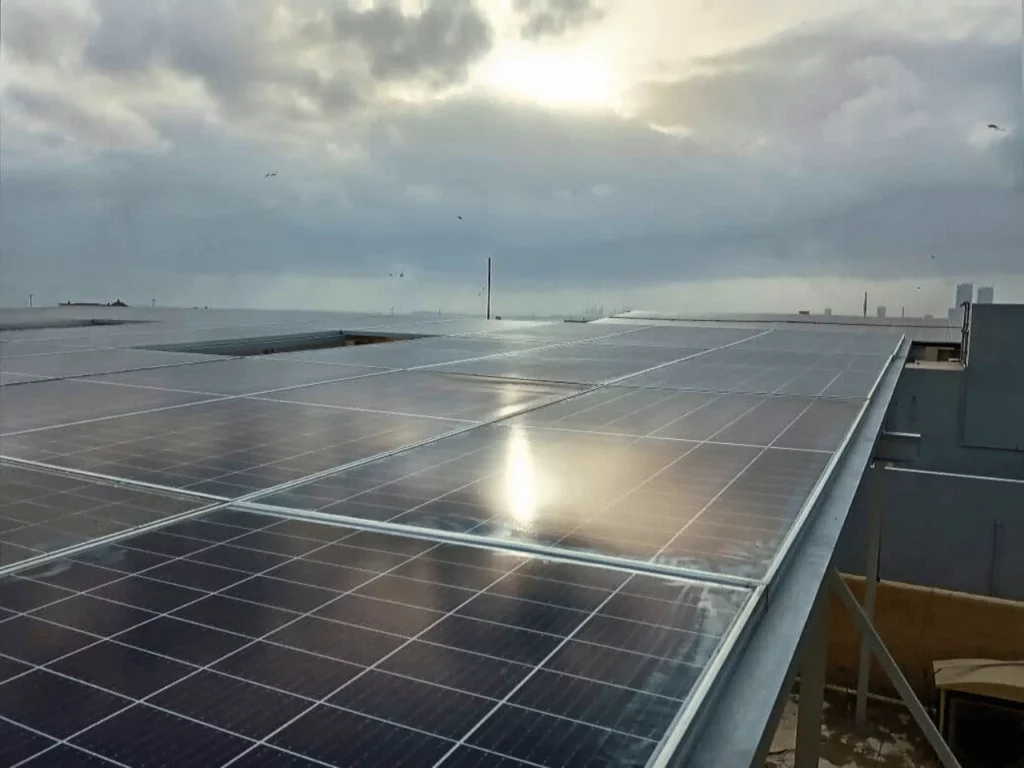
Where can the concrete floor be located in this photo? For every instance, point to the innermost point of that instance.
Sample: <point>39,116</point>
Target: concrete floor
<point>891,740</point>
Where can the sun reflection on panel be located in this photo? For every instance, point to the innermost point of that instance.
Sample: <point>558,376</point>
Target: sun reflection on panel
<point>521,487</point>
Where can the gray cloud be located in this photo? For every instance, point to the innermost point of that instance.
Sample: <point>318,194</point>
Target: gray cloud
<point>438,44</point>
<point>216,41</point>
<point>42,32</point>
<point>797,86</point>
<point>833,151</point>
<point>553,18</point>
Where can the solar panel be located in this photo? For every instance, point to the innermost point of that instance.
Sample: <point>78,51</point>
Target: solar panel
<point>409,649</point>
<point>43,512</point>
<point>95,361</point>
<point>44,404</point>
<point>225,447</point>
<point>646,355</point>
<point>626,496</point>
<point>413,353</point>
<point>689,337</point>
<point>566,331</point>
<point>825,341</point>
<point>754,371</point>
<point>502,604</point>
<point>430,394</point>
<point>7,377</point>
<point>541,367</point>
<point>236,376</point>
<point>757,420</point>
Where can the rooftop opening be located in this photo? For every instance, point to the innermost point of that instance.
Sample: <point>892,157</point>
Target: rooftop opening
<point>275,345</point>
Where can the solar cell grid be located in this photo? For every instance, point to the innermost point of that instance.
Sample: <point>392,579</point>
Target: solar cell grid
<point>541,367</point>
<point>411,354</point>
<point>824,341</point>
<point>235,376</point>
<point>766,371</point>
<point>96,361</point>
<point>645,355</point>
<point>626,496</point>
<point>606,657</point>
<point>694,337</point>
<point>430,394</point>
<point>9,377</point>
<point>783,422</point>
<point>226,448</point>
<point>566,331</point>
<point>43,512</point>
<point>45,404</point>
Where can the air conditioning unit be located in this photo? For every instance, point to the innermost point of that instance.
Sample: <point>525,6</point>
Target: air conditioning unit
<point>981,711</point>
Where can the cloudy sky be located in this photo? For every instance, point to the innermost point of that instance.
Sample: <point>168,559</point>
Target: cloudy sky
<point>682,155</point>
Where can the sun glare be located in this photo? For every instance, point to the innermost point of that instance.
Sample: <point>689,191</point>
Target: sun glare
<point>569,78</point>
<point>520,479</point>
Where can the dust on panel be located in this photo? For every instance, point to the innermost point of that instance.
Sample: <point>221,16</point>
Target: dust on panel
<point>237,376</point>
<point>470,398</point>
<point>721,508</point>
<point>227,447</point>
<point>51,403</point>
<point>242,635</point>
<point>43,512</point>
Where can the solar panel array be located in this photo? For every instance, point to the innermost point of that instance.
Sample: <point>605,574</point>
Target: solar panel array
<point>522,546</point>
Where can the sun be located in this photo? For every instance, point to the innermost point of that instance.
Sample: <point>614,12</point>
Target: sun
<point>560,78</point>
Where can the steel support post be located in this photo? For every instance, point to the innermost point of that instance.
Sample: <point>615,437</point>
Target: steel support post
<point>812,684</point>
<point>917,710</point>
<point>871,572</point>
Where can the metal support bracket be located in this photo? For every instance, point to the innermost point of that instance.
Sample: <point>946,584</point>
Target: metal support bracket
<point>812,685</point>
<point>871,575</point>
<point>917,710</point>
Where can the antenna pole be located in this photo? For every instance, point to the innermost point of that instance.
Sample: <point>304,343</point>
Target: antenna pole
<point>488,287</point>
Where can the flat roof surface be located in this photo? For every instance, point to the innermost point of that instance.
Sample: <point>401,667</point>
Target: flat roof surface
<point>504,543</point>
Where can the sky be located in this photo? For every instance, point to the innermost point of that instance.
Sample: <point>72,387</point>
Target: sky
<point>677,155</point>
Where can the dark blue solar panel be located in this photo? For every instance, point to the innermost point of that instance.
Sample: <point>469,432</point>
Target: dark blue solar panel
<point>387,651</point>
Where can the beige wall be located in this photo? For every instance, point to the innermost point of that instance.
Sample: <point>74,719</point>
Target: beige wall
<point>920,625</point>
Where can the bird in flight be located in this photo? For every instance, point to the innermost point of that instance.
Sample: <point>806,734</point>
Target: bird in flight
<point>460,218</point>
<point>995,127</point>
<point>270,174</point>
<point>933,255</point>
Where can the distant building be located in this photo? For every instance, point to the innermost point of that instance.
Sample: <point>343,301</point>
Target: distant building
<point>986,293</point>
<point>964,294</point>
<point>880,311</point>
